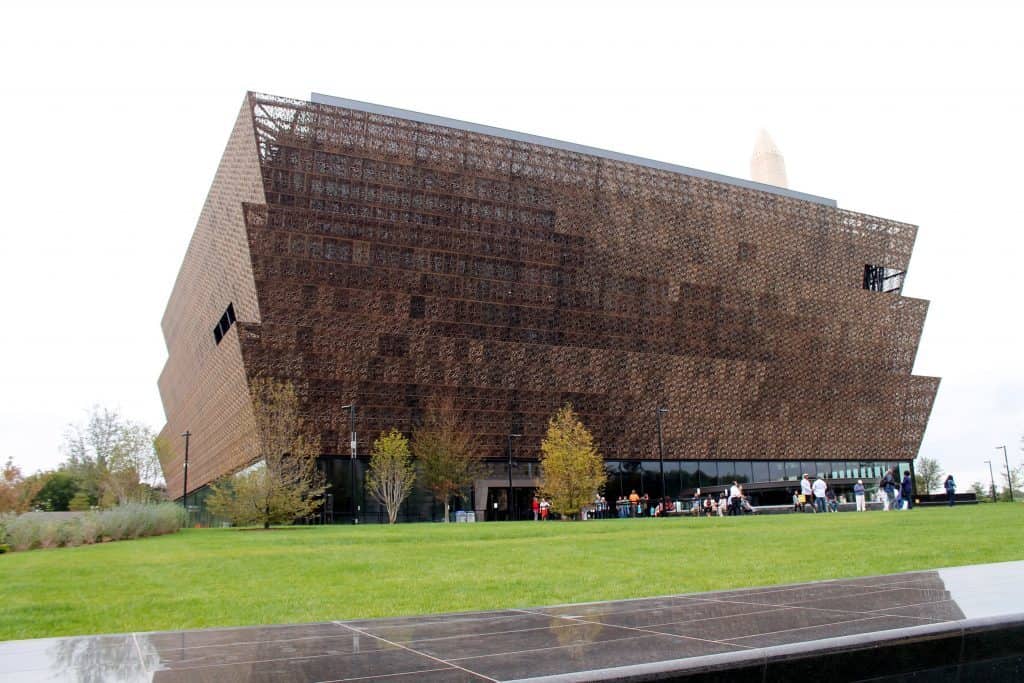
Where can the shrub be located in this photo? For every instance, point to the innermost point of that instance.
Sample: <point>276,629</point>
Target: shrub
<point>127,521</point>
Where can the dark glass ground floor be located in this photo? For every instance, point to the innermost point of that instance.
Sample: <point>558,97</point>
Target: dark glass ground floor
<point>764,482</point>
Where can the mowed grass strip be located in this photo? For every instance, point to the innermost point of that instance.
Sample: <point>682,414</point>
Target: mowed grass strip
<point>227,577</point>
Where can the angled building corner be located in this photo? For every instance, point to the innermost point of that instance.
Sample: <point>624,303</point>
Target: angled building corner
<point>203,385</point>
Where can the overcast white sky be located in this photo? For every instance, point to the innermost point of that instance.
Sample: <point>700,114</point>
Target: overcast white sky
<point>114,117</point>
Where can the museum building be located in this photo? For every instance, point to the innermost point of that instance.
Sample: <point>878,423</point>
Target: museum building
<point>387,259</point>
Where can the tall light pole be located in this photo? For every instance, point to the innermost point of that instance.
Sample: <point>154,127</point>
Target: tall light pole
<point>510,437</point>
<point>184,488</point>
<point>1009,476</point>
<point>661,453</point>
<point>351,408</point>
<point>991,479</point>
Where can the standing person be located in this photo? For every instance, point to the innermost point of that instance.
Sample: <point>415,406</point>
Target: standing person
<point>858,493</point>
<point>535,506</point>
<point>806,491</point>
<point>950,487</point>
<point>634,503</point>
<point>887,488</point>
<point>819,487</point>
<point>907,490</point>
<point>734,499</point>
<point>545,507</point>
<point>796,501</point>
<point>723,504</point>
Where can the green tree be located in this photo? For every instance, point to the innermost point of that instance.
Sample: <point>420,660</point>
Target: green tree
<point>980,491</point>
<point>284,484</point>
<point>447,454</point>
<point>112,458</point>
<point>57,490</point>
<point>391,473</point>
<point>79,503</point>
<point>929,474</point>
<point>571,469</point>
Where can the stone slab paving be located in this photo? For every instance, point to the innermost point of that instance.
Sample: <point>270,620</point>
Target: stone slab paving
<point>964,623</point>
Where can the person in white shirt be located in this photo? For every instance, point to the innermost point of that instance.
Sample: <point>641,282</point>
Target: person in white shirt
<point>819,488</point>
<point>805,491</point>
<point>734,499</point>
<point>858,492</point>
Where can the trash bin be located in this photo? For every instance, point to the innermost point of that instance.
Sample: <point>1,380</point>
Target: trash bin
<point>470,516</point>
<point>460,516</point>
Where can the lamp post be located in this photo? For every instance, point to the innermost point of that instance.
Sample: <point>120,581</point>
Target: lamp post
<point>1009,475</point>
<point>991,479</point>
<point>661,453</point>
<point>351,408</point>
<point>510,511</point>
<point>184,488</point>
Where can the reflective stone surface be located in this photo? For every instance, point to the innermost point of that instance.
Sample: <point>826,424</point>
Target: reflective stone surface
<point>960,624</point>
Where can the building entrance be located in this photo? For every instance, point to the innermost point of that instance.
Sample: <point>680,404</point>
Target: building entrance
<point>498,507</point>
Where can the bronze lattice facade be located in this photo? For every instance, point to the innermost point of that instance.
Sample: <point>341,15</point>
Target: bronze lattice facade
<point>387,258</point>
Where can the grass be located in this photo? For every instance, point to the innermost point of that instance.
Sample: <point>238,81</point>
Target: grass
<point>226,577</point>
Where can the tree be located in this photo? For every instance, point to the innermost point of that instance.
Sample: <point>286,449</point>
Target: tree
<point>17,491</point>
<point>929,474</point>
<point>284,483</point>
<point>391,473</point>
<point>113,459</point>
<point>979,491</point>
<point>447,454</point>
<point>571,469</point>
<point>57,490</point>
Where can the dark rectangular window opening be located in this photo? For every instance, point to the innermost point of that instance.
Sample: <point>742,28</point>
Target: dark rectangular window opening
<point>882,279</point>
<point>417,307</point>
<point>224,324</point>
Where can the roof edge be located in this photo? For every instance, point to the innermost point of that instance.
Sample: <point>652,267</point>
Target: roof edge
<point>369,107</point>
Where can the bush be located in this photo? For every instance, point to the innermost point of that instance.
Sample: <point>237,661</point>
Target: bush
<point>37,530</point>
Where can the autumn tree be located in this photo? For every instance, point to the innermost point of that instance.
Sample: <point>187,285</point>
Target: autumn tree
<point>929,474</point>
<point>571,469</point>
<point>391,474</point>
<point>448,455</point>
<point>284,483</point>
<point>16,490</point>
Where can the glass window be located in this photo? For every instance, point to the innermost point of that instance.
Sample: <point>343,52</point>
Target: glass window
<point>631,476</point>
<point>688,474</point>
<point>726,472</point>
<point>808,468</point>
<point>743,471</point>
<point>672,478</point>
<point>776,470</point>
<point>822,468</point>
<point>761,471</point>
<point>708,473</point>
<point>793,471</point>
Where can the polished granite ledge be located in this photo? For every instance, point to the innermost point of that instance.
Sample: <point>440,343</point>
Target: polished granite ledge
<point>958,624</point>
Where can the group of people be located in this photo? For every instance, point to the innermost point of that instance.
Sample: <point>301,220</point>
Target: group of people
<point>820,496</point>
<point>541,509</point>
<point>731,502</point>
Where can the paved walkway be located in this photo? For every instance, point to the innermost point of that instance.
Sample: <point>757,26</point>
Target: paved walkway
<point>832,630</point>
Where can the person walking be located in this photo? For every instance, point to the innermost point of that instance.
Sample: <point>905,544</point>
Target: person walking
<point>887,487</point>
<point>734,499</point>
<point>950,487</point>
<point>819,488</point>
<point>907,490</point>
<point>806,492</point>
<point>858,494</point>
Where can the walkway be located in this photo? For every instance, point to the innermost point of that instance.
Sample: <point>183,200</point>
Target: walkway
<point>964,623</point>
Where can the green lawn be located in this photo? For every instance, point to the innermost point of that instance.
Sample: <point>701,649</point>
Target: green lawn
<point>224,577</point>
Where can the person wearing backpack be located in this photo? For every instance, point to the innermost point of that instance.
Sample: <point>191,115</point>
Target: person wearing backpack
<point>950,487</point>
<point>888,488</point>
<point>907,490</point>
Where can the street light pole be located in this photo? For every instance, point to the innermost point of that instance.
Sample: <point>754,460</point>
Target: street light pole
<point>351,408</point>
<point>184,488</point>
<point>661,453</point>
<point>510,511</point>
<point>1009,476</point>
<point>992,480</point>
